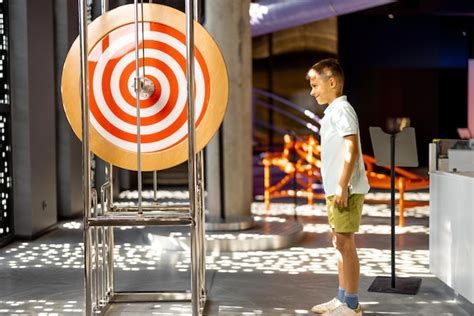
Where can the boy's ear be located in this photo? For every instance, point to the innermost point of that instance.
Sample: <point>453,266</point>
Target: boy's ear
<point>332,82</point>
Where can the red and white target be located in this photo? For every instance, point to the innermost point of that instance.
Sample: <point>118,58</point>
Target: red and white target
<point>163,110</point>
<point>164,113</point>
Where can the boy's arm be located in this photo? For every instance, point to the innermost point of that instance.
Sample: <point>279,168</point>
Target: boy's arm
<point>352,152</point>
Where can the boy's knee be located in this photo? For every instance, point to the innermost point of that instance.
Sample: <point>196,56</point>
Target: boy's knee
<point>342,242</point>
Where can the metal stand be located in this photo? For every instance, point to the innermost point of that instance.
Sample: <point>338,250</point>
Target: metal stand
<point>407,157</point>
<point>99,223</point>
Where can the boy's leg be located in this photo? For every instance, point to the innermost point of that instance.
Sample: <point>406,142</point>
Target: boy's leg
<point>337,301</point>
<point>346,223</point>
<point>340,265</point>
<point>345,244</point>
<point>340,271</point>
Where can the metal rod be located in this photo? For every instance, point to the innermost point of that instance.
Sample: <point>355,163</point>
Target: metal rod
<point>96,266</point>
<point>222,177</point>
<point>174,220</point>
<point>153,208</point>
<point>111,261</point>
<point>392,203</point>
<point>104,6</point>
<point>137,96</point>
<point>105,266</point>
<point>143,41</point>
<point>199,219</point>
<point>110,169</point>
<point>199,241</point>
<point>86,159</point>
<point>105,254</point>
<point>202,226</point>
<point>104,192</point>
<point>107,203</point>
<point>146,297</point>
<point>95,242</point>
<point>195,11</point>
<point>192,174</point>
<point>103,282</point>
<point>155,186</point>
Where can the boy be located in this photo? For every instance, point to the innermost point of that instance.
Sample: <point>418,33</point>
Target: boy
<point>344,179</point>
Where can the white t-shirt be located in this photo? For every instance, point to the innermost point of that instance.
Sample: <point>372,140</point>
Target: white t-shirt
<point>340,120</point>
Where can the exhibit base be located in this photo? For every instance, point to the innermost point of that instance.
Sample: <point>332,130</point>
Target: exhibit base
<point>408,286</point>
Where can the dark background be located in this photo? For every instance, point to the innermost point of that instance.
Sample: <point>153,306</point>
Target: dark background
<point>407,59</point>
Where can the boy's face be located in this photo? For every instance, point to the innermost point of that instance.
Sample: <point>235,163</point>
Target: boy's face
<point>323,88</point>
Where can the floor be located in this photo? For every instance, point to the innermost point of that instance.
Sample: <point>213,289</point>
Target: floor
<point>46,276</point>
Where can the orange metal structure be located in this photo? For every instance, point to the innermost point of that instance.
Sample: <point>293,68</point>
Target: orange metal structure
<point>303,155</point>
<point>305,164</point>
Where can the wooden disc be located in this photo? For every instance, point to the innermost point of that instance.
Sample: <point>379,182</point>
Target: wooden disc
<point>163,113</point>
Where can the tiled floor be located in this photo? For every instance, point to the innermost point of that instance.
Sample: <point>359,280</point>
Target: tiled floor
<point>45,276</point>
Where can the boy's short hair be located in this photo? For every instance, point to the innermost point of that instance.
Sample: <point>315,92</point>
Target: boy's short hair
<point>328,67</point>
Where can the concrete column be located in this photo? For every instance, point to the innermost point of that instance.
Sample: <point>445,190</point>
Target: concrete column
<point>69,153</point>
<point>33,124</point>
<point>229,154</point>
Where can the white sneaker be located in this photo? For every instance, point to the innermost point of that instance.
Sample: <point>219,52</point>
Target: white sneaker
<point>326,307</point>
<point>344,310</point>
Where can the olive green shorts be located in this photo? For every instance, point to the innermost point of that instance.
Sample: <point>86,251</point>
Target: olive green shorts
<point>345,219</point>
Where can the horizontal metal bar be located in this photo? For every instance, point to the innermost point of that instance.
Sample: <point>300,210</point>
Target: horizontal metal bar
<point>132,297</point>
<point>148,208</point>
<point>164,214</point>
<point>141,220</point>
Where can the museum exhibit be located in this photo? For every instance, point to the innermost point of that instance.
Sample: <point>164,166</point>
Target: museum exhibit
<point>237,157</point>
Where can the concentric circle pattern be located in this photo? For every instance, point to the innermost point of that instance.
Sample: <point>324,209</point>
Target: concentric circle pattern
<point>163,113</point>
<point>113,99</point>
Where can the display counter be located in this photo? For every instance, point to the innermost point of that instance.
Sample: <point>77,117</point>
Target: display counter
<point>452,230</point>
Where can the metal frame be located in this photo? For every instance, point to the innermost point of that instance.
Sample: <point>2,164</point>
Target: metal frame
<point>99,223</point>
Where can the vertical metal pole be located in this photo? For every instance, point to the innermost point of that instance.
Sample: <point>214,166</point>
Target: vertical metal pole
<point>110,168</point>
<point>111,261</point>
<point>105,230</point>
<point>200,219</point>
<point>195,12</point>
<point>392,203</point>
<point>104,6</point>
<point>143,41</point>
<point>221,174</point>
<point>199,241</point>
<point>202,227</point>
<point>103,292</point>
<point>192,174</point>
<point>155,186</point>
<point>86,158</point>
<point>107,233</point>
<point>137,92</point>
<point>96,266</point>
<point>95,243</point>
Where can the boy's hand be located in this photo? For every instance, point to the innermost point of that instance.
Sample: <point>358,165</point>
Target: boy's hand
<point>341,199</point>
